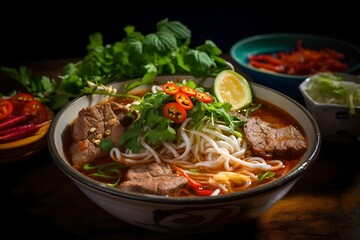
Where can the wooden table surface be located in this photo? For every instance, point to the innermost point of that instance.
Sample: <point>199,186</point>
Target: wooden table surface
<point>38,200</point>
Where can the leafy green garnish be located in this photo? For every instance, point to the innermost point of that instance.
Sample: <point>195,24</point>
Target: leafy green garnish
<point>106,145</point>
<point>44,89</point>
<point>152,125</point>
<point>154,128</point>
<point>109,171</point>
<point>137,55</point>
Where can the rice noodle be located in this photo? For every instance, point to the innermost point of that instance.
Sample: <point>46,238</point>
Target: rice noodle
<point>213,148</point>
<point>115,154</point>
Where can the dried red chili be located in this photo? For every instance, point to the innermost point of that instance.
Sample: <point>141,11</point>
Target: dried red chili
<point>302,61</point>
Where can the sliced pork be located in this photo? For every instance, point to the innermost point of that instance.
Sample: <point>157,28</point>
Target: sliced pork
<point>102,121</point>
<point>153,178</point>
<point>268,140</point>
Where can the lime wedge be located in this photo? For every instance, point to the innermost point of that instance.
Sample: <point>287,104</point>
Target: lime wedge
<point>231,87</point>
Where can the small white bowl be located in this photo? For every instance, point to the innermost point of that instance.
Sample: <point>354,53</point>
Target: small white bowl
<point>335,121</point>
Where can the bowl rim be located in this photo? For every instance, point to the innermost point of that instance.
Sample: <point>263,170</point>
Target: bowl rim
<point>89,183</point>
<point>285,35</point>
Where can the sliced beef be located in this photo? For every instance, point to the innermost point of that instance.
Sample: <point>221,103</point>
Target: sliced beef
<point>268,140</point>
<point>153,178</point>
<point>83,152</point>
<point>148,170</point>
<point>106,120</point>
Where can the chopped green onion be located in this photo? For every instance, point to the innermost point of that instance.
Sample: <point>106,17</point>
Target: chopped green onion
<point>107,171</point>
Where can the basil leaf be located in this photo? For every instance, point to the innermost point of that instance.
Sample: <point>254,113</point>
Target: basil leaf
<point>199,62</point>
<point>179,30</point>
<point>161,41</point>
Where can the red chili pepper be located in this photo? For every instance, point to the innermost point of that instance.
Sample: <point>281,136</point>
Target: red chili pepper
<point>6,108</point>
<point>18,132</point>
<point>171,88</point>
<point>267,66</point>
<point>175,112</point>
<point>204,97</point>
<point>182,99</point>
<point>203,192</point>
<point>196,186</point>
<point>8,118</point>
<point>188,91</point>
<point>14,121</point>
<point>266,59</point>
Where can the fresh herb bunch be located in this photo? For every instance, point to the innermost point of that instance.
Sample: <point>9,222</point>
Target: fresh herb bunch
<point>154,128</point>
<point>166,51</point>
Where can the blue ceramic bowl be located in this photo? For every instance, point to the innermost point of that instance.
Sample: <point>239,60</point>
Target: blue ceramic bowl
<point>272,43</point>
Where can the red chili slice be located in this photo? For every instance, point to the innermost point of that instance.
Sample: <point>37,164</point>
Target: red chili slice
<point>37,109</point>
<point>171,88</point>
<point>6,108</point>
<point>175,112</point>
<point>19,100</point>
<point>204,97</point>
<point>182,99</point>
<point>188,91</point>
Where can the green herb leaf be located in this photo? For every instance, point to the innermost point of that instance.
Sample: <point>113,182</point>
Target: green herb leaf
<point>106,145</point>
<point>44,89</point>
<point>95,41</point>
<point>179,30</point>
<point>266,175</point>
<point>199,62</point>
<point>162,41</point>
<point>210,48</point>
<point>166,51</point>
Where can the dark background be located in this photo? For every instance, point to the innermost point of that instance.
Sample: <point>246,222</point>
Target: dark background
<point>31,32</point>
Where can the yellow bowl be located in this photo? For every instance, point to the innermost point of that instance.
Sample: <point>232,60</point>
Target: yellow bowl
<point>25,147</point>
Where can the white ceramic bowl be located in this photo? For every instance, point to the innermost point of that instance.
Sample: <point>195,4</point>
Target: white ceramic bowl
<point>186,214</point>
<point>335,121</point>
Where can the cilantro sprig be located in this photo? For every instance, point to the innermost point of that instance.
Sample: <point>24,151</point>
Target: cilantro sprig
<point>44,89</point>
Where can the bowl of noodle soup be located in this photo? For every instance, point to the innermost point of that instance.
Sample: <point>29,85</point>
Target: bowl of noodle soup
<point>236,186</point>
